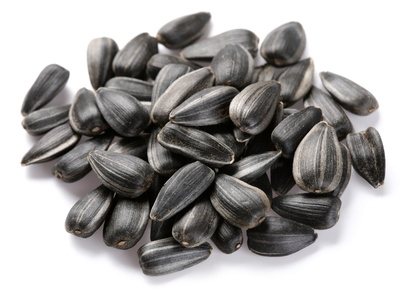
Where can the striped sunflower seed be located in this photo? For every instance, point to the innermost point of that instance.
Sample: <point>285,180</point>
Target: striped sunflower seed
<point>136,146</point>
<point>227,238</point>
<point>160,60</point>
<point>224,133</point>
<point>137,88</point>
<point>346,173</point>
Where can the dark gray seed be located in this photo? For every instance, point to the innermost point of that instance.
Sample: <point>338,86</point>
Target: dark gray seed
<point>74,165</point>
<point>277,236</point>
<point>100,56</point>
<point>227,238</point>
<point>125,174</point>
<point>126,222</point>
<point>167,256</point>
<point>233,65</point>
<point>224,133</point>
<point>131,60</point>
<point>346,174</point>
<point>282,179</point>
<point>290,131</point>
<point>368,155</point>
<point>138,88</point>
<point>317,211</point>
<point>239,203</point>
<point>181,189</point>
<point>197,225</point>
<point>45,119</point>
<point>162,160</point>
<point>267,72</point>
<point>264,184</point>
<point>161,229</point>
<point>123,112</point>
<point>181,89</point>
<point>53,144</point>
<point>284,45</point>
<point>253,108</point>
<point>251,167</point>
<point>209,106</point>
<point>332,112</point>
<point>349,94</point>
<point>319,170</point>
<point>84,116</point>
<point>184,30</point>
<point>160,60</point>
<point>289,111</point>
<point>195,144</point>
<point>51,80</point>
<point>296,81</point>
<point>206,49</point>
<point>89,212</point>
<point>136,146</point>
<point>155,187</point>
<point>240,136</point>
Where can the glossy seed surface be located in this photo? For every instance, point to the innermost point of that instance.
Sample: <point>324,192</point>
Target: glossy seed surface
<point>227,238</point>
<point>140,89</point>
<point>136,146</point>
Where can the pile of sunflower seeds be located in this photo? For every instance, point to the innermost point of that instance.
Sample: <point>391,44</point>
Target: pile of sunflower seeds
<point>203,145</point>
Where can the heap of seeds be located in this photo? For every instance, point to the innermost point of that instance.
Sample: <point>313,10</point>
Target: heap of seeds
<point>203,145</point>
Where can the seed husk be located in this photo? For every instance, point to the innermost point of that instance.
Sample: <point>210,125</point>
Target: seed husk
<point>167,256</point>
<point>206,49</point>
<point>74,165</point>
<point>140,89</point>
<point>277,236</point>
<point>318,211</point>
<point>196,144</point>
<point>332,112</point>
<point>126,222</point>
<point>263,183</point>
<point>253,108</point>
<point>160,60</point>
<point>284,45</point>
<point>181,89</point>
<point>197,225</point>
<point>241,136</point>
<point>346,173</point>
<point>233,65</point>
<point>181,189</point>
<point>240,203</point>
<point>224,133</point>
<point>184,30</point>
<point>123,112</point>
<point>227,238</point>
<point>131,60</point>
<point>368,155</point>
<point>43,120</point>
<point>89,212</point>
<point>100,55</point>
<point>267,72</point>
<point>351,96</point>
<point>136,146</point>
<point>49,83</point>
<point>282,180</point>
<point>51,145</point>
<point>209,106</point>
<point>125,174</point>
<point>320,170</point>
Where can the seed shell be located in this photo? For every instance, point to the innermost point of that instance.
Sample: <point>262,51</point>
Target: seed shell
<point>346,174</point>
<point>160,60</point>
<point>137,88</point>
<point>282,179</point>
<point>227,238</point>
<point>136,146</point>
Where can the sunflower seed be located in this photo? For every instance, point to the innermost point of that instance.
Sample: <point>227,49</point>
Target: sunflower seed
<point>125,174</point>
<point>290,131</point>
<point>53,144</point>
<point>181,89</point>
<point>209,106</point>
<point>126,222</point>
<point>161,229</point>
<point>318,211</point>
<point>279,237</point>
<point>233,65</point>
<point>138,88</point>
<point>51,80</point>
<point>45,119</point>
<point>320,170</point>
<point>160,60</point>
<point>264,184</point>
<point>349,94</point>
<point>136,146</point>
<point>253,108</point>
<point>123,112</point>
<point>100,56</point>
<point>167,256</point>
<point>84,115</point>
<point>227,238</point>
<point>197,225</point>
<point>181,189</point>
<point>195,144</point>
<point>346,173</point>
<point>206,49</point>
<point>284,45</point>
<point>368,155</point>
<point>224,133</point>
<point>89,212</point>
<point>267,72</point>
<point>184,30</point>
<point>155,187</point>
<point>282,179</point>
<point>332,112</point>
<point>240,136</point>
<point>131,60</point>
<point>239,203</point>
<point>74,165</point>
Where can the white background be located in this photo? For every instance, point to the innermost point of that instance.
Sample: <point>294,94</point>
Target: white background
<point>358,258</point>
